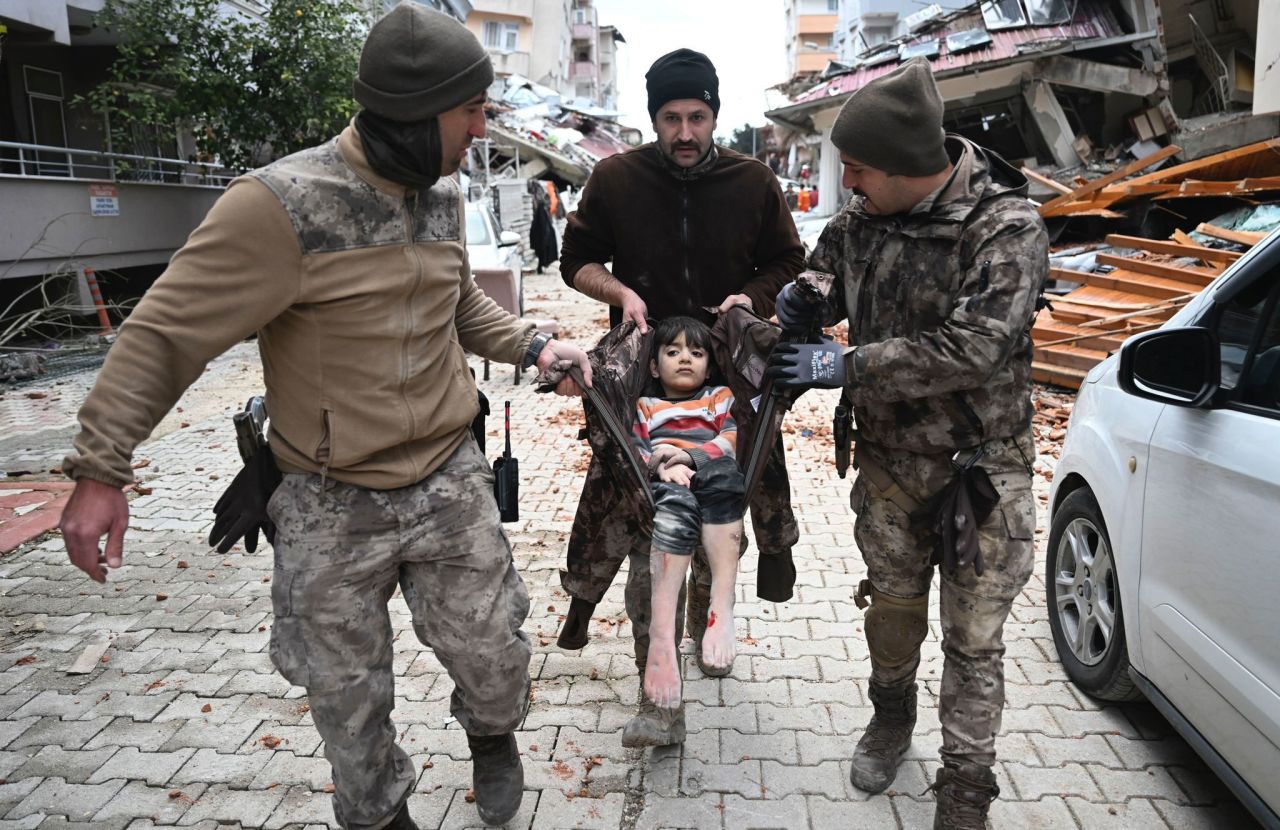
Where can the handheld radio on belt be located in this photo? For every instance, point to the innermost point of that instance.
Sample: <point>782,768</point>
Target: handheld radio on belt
<point>506,477</point>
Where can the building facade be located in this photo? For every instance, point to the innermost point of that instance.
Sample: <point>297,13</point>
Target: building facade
<point>505,29</point>
<point>863,24</point>
<point>67,201</point>
<point>810,34</point>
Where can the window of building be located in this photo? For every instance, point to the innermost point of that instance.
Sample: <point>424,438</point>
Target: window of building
<point>833,6</point>
<point>48,126</point>
<point>504,36</point>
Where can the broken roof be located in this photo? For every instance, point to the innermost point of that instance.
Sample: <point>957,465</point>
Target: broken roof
<point>963,41</point>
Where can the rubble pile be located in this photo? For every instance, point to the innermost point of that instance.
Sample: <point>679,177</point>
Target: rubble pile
<point>1128,282</point>
<point>568,138</point>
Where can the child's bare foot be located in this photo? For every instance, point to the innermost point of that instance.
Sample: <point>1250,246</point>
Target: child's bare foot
<point>662,676</point>
<point>720,643</point>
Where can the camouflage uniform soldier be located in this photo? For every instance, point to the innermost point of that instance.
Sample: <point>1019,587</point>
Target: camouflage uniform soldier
<point>349,261</point>
<point>939,261</point>
<point>691,229</point>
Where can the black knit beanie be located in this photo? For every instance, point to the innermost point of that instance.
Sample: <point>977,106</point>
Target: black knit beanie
<point>418,63</point>
<point>894,123</point>
<point>681,74</point>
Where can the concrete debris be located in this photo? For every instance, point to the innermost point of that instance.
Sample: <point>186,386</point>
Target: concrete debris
<point>20,366</point>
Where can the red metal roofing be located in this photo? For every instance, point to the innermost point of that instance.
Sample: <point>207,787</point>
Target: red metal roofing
<point>1093,20</point>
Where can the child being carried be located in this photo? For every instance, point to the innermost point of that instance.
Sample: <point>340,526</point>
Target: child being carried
<point>688,439</point>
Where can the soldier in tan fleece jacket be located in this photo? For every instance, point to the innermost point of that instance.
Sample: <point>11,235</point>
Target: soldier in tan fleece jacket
<point>349,262</point>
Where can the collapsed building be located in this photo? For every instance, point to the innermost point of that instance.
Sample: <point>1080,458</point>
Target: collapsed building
<point>1058,85</point>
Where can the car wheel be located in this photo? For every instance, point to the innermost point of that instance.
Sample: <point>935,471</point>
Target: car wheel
<point>1083,596</point>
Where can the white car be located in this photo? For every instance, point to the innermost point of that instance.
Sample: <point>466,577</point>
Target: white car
<point>1163,572</point>
<point>491,248</point>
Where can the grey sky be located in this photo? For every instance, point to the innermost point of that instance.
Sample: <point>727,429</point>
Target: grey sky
<point>744,39</point>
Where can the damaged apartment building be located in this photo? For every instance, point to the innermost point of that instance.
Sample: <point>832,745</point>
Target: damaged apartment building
<point>1053,84</point>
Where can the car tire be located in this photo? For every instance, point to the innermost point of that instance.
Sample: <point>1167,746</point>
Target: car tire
<point>1083,598</point>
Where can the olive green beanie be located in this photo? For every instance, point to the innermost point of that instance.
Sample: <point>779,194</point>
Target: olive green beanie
<point>418,63</point>
<point>894,123</point>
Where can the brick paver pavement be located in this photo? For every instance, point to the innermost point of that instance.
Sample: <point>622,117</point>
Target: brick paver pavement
<point>182,719</point>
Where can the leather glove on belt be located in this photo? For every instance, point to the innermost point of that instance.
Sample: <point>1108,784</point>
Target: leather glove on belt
<point>241,511</point>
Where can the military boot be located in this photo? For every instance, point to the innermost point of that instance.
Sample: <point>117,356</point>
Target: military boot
<point>497,776</point>
<point>653,726</point>
<point>402,821</point>
<point>887,737</point>
<point>964,794</point>
<point>698,605</point>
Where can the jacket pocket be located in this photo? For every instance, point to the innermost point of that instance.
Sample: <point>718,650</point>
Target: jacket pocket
<point>1019,516</point>
<point>288,648</point>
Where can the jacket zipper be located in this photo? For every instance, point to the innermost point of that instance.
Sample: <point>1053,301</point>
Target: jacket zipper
<point>410,203</point>
<point>324,452</point>
<point>684,237</point>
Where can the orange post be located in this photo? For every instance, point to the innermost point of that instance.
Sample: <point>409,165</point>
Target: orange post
<point>98,304</point>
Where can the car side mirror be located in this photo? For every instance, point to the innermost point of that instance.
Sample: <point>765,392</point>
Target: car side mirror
<point>508,238</point>
<point>1179,366</point>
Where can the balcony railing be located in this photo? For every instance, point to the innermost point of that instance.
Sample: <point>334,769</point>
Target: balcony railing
<point>509,63</point>
<point>41,161</point>
<point>584,31</point>
<point>583,69</point>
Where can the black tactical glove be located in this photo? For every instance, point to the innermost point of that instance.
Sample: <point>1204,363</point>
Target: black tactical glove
<point>807,365</point>
<point>796,313</point>
<point>241,511</point>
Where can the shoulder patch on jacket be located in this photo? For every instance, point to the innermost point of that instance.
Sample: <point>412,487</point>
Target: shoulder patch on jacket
<point>333,209</point>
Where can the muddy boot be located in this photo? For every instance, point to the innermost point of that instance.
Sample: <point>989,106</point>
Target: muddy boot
<point>697,605</point>
<point>402,821</point>
<point>653,726</point>
<point>964,795</point>
<point>497,777</point>
<point>886,739</point>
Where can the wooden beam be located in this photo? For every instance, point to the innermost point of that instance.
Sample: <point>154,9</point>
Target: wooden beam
<point>1075,357</point>
<point>1114,176</point>
<point>1041,179</point>
<point>1191,188</point>
<point>1057,375</point>
<point>1144,286</point>
<point>1092,211</point>
<point>1187,168</point>
<point>1160,246</point>
<point>1198,277</point>
<point>1048,330</point>
<point>1248,238</point>
<point>1183,238</point>
<point>1103,341</point>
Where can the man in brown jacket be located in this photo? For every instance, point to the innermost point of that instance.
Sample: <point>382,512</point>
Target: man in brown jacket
<point>349,261</point>
<point>691,229</point>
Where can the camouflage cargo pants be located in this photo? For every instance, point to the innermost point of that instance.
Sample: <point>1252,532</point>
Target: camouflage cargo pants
<point>340,553</point>
<point>973,608</point>
<point>610,528</point>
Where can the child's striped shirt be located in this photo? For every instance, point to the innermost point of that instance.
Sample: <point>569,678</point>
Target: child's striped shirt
<point>702,425</point>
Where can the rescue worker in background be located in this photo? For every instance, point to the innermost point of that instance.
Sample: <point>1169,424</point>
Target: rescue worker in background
<point>803,200</point>
<point>691,229</point>
<point>349,261</point>
<point>939,260</point>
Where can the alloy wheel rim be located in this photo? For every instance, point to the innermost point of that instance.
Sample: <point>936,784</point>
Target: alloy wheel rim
<point>1085,591</point>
